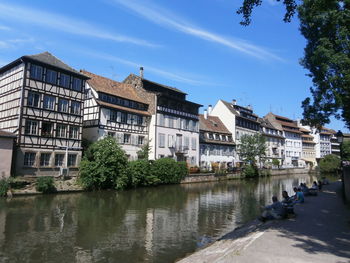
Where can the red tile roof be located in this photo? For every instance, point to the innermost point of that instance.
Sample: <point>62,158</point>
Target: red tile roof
<point>212,124</point>
<point>7,134</point>
<point>110,105</point>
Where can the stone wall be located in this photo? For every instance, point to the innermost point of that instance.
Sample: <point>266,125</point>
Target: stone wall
<point>346,182</point>
<point>199,178</point>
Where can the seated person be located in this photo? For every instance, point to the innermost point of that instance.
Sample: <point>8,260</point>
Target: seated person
<point>304,189</point>
<point>313,189</point>
<point>274,211</point>
<point>325,180</point>
<point>299,196</point>
<point>287,202</point>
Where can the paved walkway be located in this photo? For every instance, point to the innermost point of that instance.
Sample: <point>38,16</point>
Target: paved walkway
<point>319,233</point>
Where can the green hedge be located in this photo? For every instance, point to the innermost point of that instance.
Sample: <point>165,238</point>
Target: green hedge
<point>140,173</point>
<point>330,164</point>
<point>168,170</point>
<point>4,187</point>
<point>45,184</point>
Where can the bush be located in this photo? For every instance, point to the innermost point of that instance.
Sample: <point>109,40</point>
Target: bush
<point>330,164</point>
<point>276,162</point>
<point>168,170</point>
<point>4,187</point>
<point>139,173</point>
<point>104,166</point>
<point>249,171</point>
<point>45,184</point>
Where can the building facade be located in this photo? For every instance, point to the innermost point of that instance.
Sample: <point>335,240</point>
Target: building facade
<point>7,140</point>
<point>115,109</point>
<point>335,145</point>
<point>323,142</point>
<point>274,141</point>
<point>174,125</point>
<point>293,142</point>
<point>41,101</point>
<point>239,120</point>
<point>308,146</point>
<point>215,142</point>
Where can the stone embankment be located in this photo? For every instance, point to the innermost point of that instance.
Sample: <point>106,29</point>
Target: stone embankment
<point>320,232</point>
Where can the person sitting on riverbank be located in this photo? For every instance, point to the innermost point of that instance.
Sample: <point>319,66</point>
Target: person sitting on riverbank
<point>298,197</point>
<point>304,189</point>
<point>314,188</point>
<point>287,202</point>
<point>274,211</point>
<point>325,181</point>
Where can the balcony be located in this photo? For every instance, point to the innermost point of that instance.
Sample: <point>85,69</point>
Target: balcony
<point>181,149</point>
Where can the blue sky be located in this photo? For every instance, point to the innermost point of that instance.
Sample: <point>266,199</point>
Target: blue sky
<point>197,46</point>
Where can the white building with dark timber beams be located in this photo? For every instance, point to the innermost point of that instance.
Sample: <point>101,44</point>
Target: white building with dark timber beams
<point>41,102</point>
<point>115,109</point>
<point>174,126</point>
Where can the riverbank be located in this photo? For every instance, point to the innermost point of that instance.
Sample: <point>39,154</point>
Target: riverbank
<point>319,233</point>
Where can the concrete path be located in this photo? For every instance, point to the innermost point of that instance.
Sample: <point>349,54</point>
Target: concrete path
<point>319,233</point>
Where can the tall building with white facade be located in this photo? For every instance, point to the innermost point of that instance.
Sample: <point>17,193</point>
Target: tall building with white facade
<point>274,141</point>
<point>216,143</point>
<point>308,146</point>
<point>323,142</point>
<point>41,102</point>
<point>174,125</point>
<point>239,120</point>
<point>293,142</point>
<point>115,109</point>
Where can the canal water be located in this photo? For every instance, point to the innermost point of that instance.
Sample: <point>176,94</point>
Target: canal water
<point>159,224</point>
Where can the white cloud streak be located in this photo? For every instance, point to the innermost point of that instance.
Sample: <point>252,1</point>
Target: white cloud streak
<point>65,24</point>
<point>5,28</point>
<point>156,71</point>
<point>165,18</point>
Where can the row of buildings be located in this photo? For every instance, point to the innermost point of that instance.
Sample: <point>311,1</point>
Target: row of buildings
<point>48,108</point>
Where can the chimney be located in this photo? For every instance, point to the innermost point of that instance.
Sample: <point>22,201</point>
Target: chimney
<point>210,108</point>
<point>249,107</point>
<point>205,114</point>
<point>141,72</point>
<point>234,102</point>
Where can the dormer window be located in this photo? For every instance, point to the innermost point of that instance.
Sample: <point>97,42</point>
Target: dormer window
<point>210,136</point>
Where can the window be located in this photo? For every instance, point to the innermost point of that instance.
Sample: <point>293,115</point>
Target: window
<point>210,136</point>
<point>61,131</point>
<point>45,159</point>
<point>171,141</point>
<point>62,105</point>
<point>139,120</point>
<point>129,121</point>
<point>127,138</point>
<point>75,107</point>
<point>29,159</point>
<point>112,115</point>
<point>46,129</point>
<point>65,80</point>
<point>187,143</point>
<point>112,134</point>
<point>49,102</point>
<point>73,132</point>
<point>33,99</point>
<point>72,159</point>
<point>140,140</point>
<point>170,122</point>
<point>36,72</point>
<point>123,117</point>
<point>161,140</point>
<point>161,120</point>
<point>77,84</point>
<point>59,157</point>
<point>31,127</point>
<point>194,143</point>
<point>51,76</point>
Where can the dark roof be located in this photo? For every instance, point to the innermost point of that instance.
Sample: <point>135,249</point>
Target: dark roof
<point>44,58</point>
<point>209,141</point>
<point>118,107</point>
<point>212,124</point>
<point>230,106</point>
<point>109,86</point>
<point>158,84</point>
<point>266,123</point>
<point>7,134</point>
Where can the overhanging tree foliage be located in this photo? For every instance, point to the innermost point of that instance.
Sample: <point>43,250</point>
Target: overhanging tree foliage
<point>251,148</point>
<point>326,26</point>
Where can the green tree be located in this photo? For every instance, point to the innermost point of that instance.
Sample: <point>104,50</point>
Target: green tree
<point>325,24</point>
<point>140,173</point>
<point>251,148</point>
<point>104,166</point>
<point>276,162</point>
<point>168,170</point>
<point>144,152</point>
<point>345,150</point>
<point>330,164</point>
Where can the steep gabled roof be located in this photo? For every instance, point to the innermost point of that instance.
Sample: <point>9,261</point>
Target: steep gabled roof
<point>146,81</point>
<point>212,124</point>
<point>230,106</point>
<point>112,87</point>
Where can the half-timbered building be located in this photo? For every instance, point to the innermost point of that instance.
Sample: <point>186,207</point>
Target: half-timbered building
<point>41,101</point>
<point>174,126</point>
<point>115,109</point>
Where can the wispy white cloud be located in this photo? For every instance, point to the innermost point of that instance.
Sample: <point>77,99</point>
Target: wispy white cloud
<point>166,18</point>
<point>5,28</point>
<point>159,72</point>
<point>66,24</point>
<point>12,43</point>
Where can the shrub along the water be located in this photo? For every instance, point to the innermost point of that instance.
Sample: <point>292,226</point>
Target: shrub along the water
<point>45,184</point>
<point>105,166</point>
<point>250,171</point>
<point>330,164</point>
<point>168,170</point>
<point>4,187</point>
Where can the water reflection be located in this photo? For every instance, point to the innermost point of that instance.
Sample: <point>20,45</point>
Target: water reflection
<point>145,225</point>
